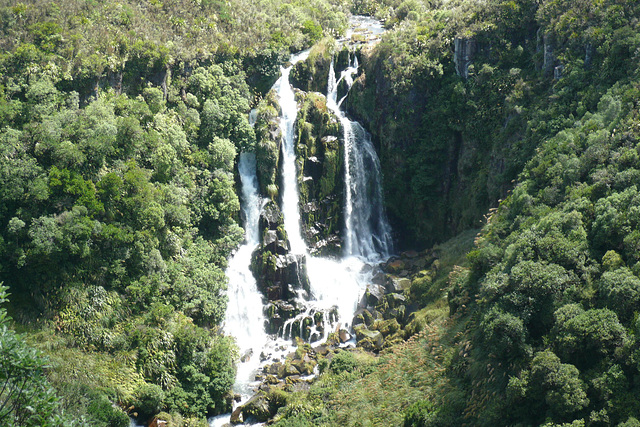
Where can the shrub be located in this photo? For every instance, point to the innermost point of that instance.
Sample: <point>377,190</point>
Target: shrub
<point>343,361</point>
<point>148,400</point>
<point>105,414</point>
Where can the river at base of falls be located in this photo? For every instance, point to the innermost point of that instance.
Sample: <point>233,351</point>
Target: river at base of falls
<point>333,282</point>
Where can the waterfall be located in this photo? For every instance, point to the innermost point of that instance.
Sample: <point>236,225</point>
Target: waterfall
<point>290,197</point>
<point>367,231</point>
<point>336,285</point>
<point>244,319</point>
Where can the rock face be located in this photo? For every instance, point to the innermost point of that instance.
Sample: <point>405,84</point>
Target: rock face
<point>280,275</point>
<point>312,75</point>
<point>320,179</point>
<point>463,55</point>
<point>268,144</point>
<point>549,59</point>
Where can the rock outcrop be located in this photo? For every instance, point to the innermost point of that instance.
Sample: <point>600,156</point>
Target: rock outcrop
<point>268,145</point>
<point>320,180</point>
<point>464,49</point>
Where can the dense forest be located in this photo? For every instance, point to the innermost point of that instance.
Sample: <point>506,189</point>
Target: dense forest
<point>508,136</point>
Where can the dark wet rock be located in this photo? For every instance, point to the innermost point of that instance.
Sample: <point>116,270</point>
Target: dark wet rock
<point>246,356</point>
<point>395,300</point>
<point>289,272</point>
<point>274,292</point>
<point>272,243</point>
<point>420,263</point>
<point>388,327</point>
<point>277,313</point>
<point>410,254</point>
<point>270,217</point>
<point>464,50</point>
<point>257,408</point>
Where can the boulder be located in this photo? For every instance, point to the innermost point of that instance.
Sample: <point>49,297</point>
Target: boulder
<point>372,296</point>
<point>367,339</point>
<point>410,254</point>
<point>304,367</point>
<point>387,327</point>
<point>395,300</point>
<point>288,272</point>
<point>237,416</point>
<point>277,312</point>
<point>246,356</point>
<point>362,317</point>
<point>397,313</point>
<point>257,408</point>
<point>344,335</point>
<point>380,278</point>
<point>288,370</point>
<point>398,285</point>
<point>395,266</point>
<point>420,263</point>
<point>322,349</point>
<point>270,217</point>
<point>273,244</point>
<point>273,369</point>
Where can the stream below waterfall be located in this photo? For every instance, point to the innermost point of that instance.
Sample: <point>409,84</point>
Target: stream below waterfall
<point>335,285</point>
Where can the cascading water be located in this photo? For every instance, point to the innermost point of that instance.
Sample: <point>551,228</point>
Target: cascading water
<point>244,319</point>
<point>367,232</point>
<point>336,286</point>
<point>338,283</point>
<point>290,197</point>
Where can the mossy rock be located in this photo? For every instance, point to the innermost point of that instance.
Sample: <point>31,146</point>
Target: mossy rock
<point>320,185</point>
<point>313,73</point>
<point>387,327</point>
<point>287,370</point>
<point>367,339</point>
<point>257,408</point>
<point>304,367</point>
<point>268,142</point>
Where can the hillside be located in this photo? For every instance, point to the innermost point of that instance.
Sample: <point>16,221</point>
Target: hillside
<point>119,126</point>
<point>507,133</point>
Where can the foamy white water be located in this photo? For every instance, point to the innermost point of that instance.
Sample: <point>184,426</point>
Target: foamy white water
<point>244,319</point>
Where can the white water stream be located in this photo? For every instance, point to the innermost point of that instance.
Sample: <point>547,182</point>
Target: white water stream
<point>244,319</point>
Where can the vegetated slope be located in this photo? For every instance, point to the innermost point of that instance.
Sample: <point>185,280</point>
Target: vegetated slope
<point>459,94</point>
<point>119,128</point>
<point>553,290</point>
<point>543,326</point>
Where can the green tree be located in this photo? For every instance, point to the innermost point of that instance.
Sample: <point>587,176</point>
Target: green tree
<point>26,398</point>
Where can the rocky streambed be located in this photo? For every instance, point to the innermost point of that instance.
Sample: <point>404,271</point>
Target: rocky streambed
<point>385,316</point>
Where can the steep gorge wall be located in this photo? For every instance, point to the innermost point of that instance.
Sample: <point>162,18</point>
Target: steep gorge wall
<point>442,169</point>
